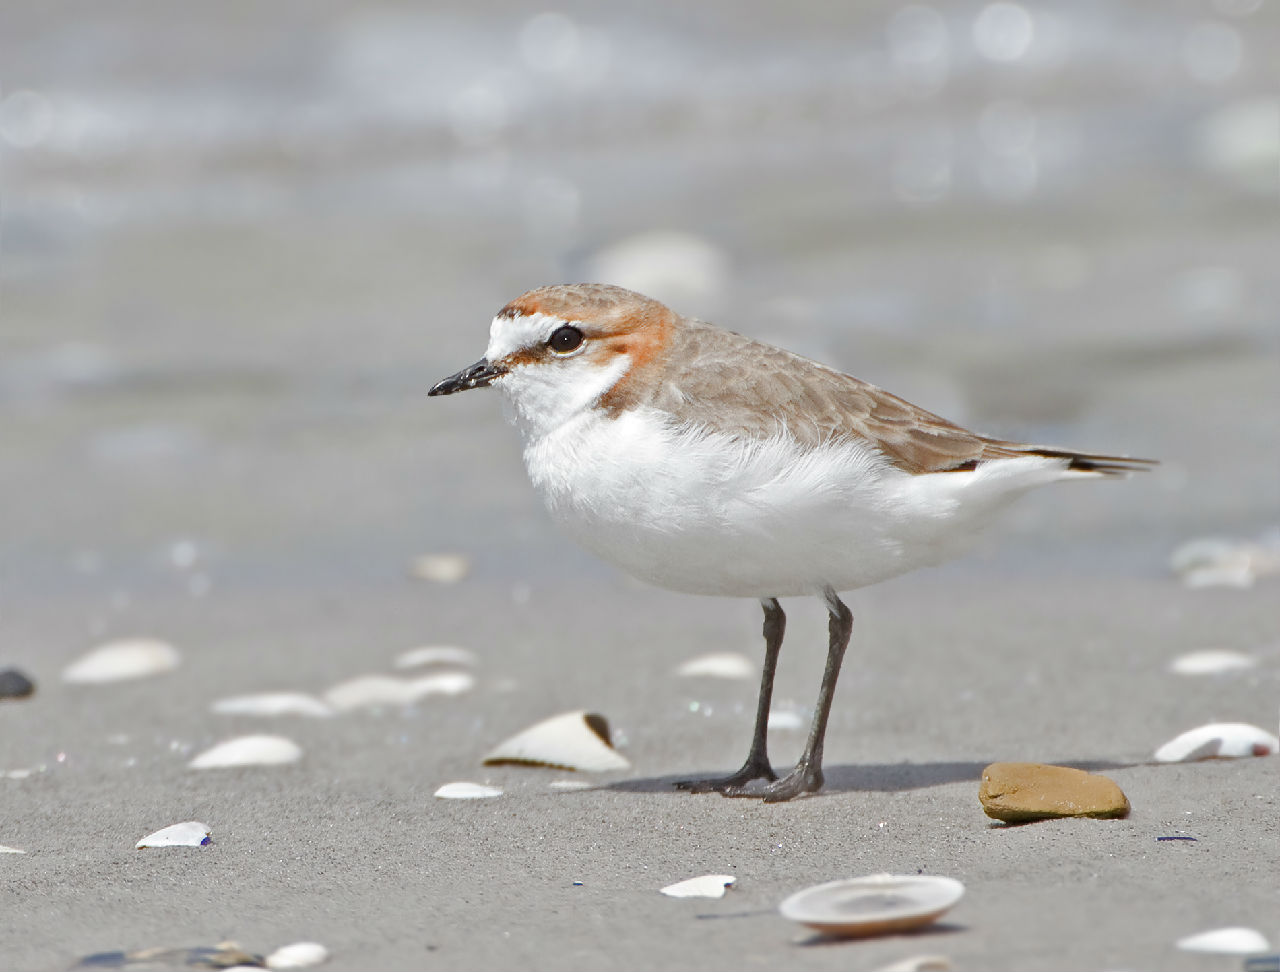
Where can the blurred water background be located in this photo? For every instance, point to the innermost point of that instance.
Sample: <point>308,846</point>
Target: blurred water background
<point>238,242</point>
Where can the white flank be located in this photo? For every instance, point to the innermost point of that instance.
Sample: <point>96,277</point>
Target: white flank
<point>299,955</point>
<point>571,740</point>
<point>1218,740</point>
<point>720,664</point>
<point>1226,941</point>
<point>191,833</point>
<point>466,790</point>
<point>273,704</point>
<point>707,886</point>
<point>249,751</point>
<point>125,659</point>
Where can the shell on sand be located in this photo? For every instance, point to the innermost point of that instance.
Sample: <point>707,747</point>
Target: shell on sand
<point>128,658</point>
<point>4,849</point>
<point>571,740</point>
<point>719,664</point>
<point>1226,941</point>
<point>299,955</point>
<point>466,790</point>
<point>435,655</point>
<point>371,691</point>
<point>272,704</point>
<point>442,568</point>
<point>1218,740</point>
<point>874,905</point>
<point>707,886</point>
<point>919,963</point>
<point>1210,662</point>
<point>190,833</point>
<point>249,751</point>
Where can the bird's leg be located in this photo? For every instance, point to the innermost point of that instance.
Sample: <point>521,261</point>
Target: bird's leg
<point>807,776</point>
<point>757,765</point>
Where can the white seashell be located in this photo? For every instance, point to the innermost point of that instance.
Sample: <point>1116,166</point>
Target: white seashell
<point>119,660</point>
<point>443,683</point>
<point>249,751</point>
<point>720,664</point>
<point>676,267</point>
<point>786,719</point>
<point>1218,562</point>
<point>441,568</point>
<point>299,955</point>
<point>571,740</point>
<point>371,691</point>
<point>875,905</point>
<point>272,704</point>
<point>18,774</point>
<point>571,786</point>
<point>1226,941</point>
<point>919,963</point>
<point>1210,662</point>
<point>435,655</point>
<point>707,886</point>
<point>466,790</point>
<point>1218,740</point>
<point>10,850</point>
<point>192,833</point>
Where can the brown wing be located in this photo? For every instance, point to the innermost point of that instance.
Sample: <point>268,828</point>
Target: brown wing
<point>721,380</point>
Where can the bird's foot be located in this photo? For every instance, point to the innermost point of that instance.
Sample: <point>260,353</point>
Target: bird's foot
<point>752,769</point>
<point>802,779</point>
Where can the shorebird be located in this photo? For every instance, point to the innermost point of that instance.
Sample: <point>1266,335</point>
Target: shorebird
<point>703,461</point>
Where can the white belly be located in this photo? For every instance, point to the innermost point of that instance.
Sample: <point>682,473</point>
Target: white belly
<point>712,514</point>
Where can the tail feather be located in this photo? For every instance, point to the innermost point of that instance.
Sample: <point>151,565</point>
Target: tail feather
<point>1088,462</point>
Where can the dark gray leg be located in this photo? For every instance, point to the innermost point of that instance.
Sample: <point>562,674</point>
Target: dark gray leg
<point>807,776</point>
<point>757,765</point>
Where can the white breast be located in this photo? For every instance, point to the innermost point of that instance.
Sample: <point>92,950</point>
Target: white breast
<point>708,513</point>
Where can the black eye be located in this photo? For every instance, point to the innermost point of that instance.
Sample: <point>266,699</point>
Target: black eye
<point>565,339</point>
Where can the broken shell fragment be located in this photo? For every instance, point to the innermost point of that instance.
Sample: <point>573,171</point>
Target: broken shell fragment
<point>191,833</point>
<point>228,955</point>
<point>249,751</point>
<point>435,655</point>
<point>571,740</point>
<point>116,661</point>
<point>1225,941</point>
<point>373,691</point>
<point>720,664</point>
<point>5,849</point>
<point>707,886</point>
<point>1218,740</point>
<point>299,955</point>
<point>1211,662</point>
<point>466,790</point>
<point>272,704</point>
<point>874,905</point>
<point>919,963</point>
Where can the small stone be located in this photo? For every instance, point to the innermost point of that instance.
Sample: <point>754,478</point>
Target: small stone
<point>1019,792</point>
<point>15,685</point>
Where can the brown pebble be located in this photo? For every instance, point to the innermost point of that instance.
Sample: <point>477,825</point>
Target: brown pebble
<point>1019,792</point>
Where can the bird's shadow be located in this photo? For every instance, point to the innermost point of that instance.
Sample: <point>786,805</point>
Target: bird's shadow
<point>870,777</point>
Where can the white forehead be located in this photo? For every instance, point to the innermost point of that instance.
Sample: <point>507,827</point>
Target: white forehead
<point>508,335</point>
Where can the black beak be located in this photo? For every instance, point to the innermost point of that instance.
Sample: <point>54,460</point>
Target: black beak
<point>479,375</point>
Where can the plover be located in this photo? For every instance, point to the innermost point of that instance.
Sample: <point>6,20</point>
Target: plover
<point>703,461</point>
